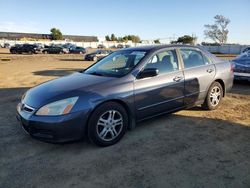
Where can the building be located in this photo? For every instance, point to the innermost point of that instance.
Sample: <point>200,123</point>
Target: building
<point>37,37</point>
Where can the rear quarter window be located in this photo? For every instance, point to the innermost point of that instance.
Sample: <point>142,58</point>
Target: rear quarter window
<point>192,58</point>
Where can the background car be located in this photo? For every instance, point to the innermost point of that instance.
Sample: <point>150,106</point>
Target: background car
<point>6,45</point>
<point>55,50</point>
<point>120,46</point>
<point>101,46</point>
<point>96,55</point>
<point>246,50</point>
<point>69,46</point>
<point>77,50</point>
<point>25,48</point>
<point>242,66</point>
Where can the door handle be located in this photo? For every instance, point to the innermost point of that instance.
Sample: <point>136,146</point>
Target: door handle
<point>210,70</point>
<point>177,78</point>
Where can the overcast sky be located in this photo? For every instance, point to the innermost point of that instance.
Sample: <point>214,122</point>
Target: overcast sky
<point>150,19</point>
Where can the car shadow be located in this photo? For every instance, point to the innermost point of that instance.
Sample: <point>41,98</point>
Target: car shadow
<point>70,59</point>
<point>57,72</point>
<point>160,150</point>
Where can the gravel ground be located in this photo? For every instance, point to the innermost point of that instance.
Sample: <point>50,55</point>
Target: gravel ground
<point>190,148</point>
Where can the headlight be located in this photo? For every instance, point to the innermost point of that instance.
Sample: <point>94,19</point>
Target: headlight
<point>57,108</point>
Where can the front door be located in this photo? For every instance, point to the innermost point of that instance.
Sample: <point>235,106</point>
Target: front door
<point>163,92</point>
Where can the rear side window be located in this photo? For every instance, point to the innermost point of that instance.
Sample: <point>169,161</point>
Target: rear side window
<point>192,58</point>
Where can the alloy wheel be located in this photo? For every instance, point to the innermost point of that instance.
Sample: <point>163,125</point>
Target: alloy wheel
<point>109,125</point>
<point>215,96</point>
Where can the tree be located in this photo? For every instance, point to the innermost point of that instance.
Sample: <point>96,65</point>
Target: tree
<point>134,38</point>
<point>218,31</point>
<point>113,38</point>
<point>120,39</point>
<point>125,39</point>
<point>157,41</point>
<point>107,38</point>
<point>56,34</point>
<point>186,39</point>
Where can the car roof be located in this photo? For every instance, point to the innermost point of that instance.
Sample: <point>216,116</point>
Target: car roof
<point>158,47</point>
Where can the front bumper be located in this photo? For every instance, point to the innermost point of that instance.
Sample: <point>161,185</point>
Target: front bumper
<point>55,129</point>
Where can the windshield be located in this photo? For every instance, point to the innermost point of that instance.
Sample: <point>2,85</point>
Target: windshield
<point>117,64</point>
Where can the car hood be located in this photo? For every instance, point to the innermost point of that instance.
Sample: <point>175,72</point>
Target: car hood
<point>69,86</point>
<point>242,63</point>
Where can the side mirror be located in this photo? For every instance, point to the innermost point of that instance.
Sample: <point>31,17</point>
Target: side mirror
<point>148,72</point>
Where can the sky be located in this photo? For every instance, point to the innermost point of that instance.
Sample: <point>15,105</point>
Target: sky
<point>150,19</point>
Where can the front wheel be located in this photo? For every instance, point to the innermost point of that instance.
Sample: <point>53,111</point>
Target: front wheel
<point>107,124</point>
<point>214,97</point>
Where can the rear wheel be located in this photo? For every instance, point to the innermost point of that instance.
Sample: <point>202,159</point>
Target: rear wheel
<point>107,124</point>
<point>214,97</point>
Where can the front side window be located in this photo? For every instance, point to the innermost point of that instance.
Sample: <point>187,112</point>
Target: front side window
<point>191,58</point>
<point>117,64</point>
<point>165,61</point>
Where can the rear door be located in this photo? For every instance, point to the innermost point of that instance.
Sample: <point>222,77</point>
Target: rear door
<point>163,92</point>
<point>199,73</point>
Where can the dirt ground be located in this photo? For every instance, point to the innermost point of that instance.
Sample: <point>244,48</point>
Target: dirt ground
<point>190,148</point>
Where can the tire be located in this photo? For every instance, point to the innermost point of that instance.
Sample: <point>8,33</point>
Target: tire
<point>95,58</point>
<point>102,131</point>
<point>214,97</point>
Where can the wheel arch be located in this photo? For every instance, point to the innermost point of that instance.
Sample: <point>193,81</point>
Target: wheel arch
<point>222,85</point>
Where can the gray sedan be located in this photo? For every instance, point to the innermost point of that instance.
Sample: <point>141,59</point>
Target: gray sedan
<point>126,87</point>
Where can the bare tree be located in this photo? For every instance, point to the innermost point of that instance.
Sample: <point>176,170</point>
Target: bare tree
<point>218,31</point>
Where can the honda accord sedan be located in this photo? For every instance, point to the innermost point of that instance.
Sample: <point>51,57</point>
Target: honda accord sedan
<point>127,86</point>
